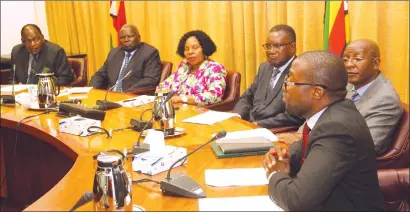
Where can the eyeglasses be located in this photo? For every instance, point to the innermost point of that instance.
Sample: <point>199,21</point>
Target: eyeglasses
<point>35,40</point>
<point>286,84</point>
<point>275,46</point>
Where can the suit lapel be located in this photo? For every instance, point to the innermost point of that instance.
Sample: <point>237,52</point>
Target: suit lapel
<point>24,64</point>
<point>369,92</point>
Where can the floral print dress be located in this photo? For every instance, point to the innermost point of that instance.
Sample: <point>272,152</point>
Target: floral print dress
<point>206,85</point>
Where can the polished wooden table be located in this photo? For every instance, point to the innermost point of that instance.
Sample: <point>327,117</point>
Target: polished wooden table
<point>76,172</point>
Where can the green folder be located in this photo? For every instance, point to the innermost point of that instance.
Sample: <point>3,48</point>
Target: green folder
<point>219,154</point>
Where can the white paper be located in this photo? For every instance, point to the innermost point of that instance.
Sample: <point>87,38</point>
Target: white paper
<point>137,101</point>
<point>255,203</point>
<point>8,89</point>
<point>259,135</point>
<point>209,117</point>
<point>235,177</point>
<point>80,90</point>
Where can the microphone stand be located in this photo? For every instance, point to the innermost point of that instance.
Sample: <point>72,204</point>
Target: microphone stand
<point>107,105</point>
<point>183,186</point>
<point>138,149</point>
<point>10,99</point>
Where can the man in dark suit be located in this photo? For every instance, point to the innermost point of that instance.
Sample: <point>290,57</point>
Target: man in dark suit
<point>262,101</point>
<point>334,166</point>
<point>132,65</point>
<point>35,54</point>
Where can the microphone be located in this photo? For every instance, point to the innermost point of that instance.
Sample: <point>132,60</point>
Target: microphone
<point>85,198</point>
<point>107,105</point>
<point>179,185</point>
<point>138,149</point>
<point>10,99</point>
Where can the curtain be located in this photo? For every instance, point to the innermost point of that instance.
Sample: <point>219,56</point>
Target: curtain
<point>239,28</point>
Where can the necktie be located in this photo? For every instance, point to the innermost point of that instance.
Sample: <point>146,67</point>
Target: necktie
<point>355,96</point>
<point>32,74</point>
<point>305,138</point>
<point>275,73</point>
<point>123,71</point>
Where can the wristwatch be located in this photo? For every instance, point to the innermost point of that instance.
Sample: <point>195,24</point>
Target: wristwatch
<point>184,99</point>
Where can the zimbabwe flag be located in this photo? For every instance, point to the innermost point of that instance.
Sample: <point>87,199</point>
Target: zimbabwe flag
<point>117,13</point>
<point>336,31</point>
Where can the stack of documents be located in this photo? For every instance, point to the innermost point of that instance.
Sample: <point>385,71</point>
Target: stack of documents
<point>260,135</point>
<point>8,89</point>
<point>76,90</point>
<point>210,117</point>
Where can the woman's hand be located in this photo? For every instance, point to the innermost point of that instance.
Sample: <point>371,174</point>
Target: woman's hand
<point>176,99</point>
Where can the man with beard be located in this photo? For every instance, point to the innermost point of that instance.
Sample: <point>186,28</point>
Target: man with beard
<point>334,166</point>
<point>34,54</point>
<point>262,101</point>
<point>139,58</point>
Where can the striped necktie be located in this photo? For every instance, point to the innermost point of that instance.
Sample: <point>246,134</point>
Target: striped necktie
<point>123,71</point>
<point>355,96</point>
<point>31,78</point>
<point>275,73</point>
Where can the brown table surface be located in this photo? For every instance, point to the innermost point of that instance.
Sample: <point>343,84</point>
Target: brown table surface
<point>148,195</point>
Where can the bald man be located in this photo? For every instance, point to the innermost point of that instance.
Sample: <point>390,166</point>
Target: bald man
<point>132,65</point>
<point>34,54</point>
<point>373,94</point>
<point>334,167</point>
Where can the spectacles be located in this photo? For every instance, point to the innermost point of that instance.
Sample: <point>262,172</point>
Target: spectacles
<point>275,46</point>
<point>35,40</point>
<point>286,84</point>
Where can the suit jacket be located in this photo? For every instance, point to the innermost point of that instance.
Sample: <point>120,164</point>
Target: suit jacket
<point>145,65</point>
<point>381,108</point>
<point>51,56</point>
<point>339,172</point>
<point>266,108</point>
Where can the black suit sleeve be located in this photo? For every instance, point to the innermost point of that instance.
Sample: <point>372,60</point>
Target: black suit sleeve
<point>245,102</point>
<point>330,158</point>
<point>100,79</point>
<point>280,120</point>
<point>62,69</point>
<point>152,73</point>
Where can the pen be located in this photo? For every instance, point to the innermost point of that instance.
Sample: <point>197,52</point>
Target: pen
<point>129,100</point>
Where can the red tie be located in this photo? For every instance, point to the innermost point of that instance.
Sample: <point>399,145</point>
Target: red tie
<point>305,134</point>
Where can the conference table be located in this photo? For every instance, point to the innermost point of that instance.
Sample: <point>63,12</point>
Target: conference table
<point>51,170</point>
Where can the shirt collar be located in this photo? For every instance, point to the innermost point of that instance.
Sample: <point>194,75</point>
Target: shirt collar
<point>282,68</point>
<point>364,88</point>
<point>132,53</point>
<point>311,122</point>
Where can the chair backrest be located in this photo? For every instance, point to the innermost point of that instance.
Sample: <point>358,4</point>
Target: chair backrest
<point>232,93</point>
<point>166,69</point>
<point>397,156</point>
<point>394,185</point>
<point>5,76</point>
<point>79,69</point>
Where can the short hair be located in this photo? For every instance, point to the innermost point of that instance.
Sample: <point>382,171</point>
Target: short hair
<point>286,28</point>
<point>327,69</point>
<point>207,45</point>
<point>31,25</point>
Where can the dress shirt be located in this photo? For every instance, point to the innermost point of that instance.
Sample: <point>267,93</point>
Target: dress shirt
<point>281,69</point>
<point>363,89</point>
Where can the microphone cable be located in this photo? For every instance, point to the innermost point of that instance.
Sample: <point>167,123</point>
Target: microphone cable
<point>144,181</point>
<point>15,150</point>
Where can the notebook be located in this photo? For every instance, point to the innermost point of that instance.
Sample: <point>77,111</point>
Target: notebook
<point>245,147</point>
<point>219,154</point>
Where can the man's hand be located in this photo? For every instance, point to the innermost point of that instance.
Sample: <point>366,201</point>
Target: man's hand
<point>289,138</point>
<point>277,159</point>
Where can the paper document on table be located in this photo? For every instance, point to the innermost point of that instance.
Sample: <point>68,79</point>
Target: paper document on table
<point>137,101</point>
<point>235,177</point>
<point>80,90</point>
<point>209,117</point>
<point>255,203</point>
<point>259,135</point>
<point>8,89</point>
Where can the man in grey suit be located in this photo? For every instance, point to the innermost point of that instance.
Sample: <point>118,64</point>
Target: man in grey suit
<point>262,101</point>
<point>334,166</point>
<point>373,94</point>
<point>132,65</point>
<point>34,54</point>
